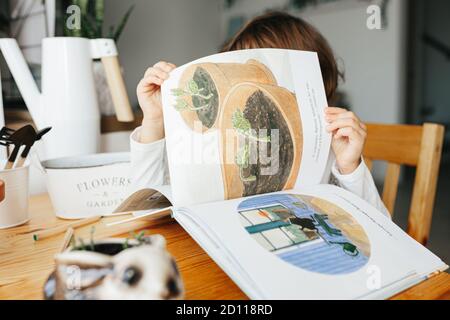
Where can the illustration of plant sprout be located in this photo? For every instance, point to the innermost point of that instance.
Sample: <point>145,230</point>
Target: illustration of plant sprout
<point>191,90</point>
<point>349,248</point>
<point>243,128</point>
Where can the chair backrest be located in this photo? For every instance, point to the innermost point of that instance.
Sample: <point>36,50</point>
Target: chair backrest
<point>414,146</point>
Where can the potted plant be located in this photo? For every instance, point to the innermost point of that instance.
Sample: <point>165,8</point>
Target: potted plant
<point>92,27</point>
<point>249,109</point>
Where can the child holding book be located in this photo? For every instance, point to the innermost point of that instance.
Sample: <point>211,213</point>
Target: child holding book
<point>273,30</point>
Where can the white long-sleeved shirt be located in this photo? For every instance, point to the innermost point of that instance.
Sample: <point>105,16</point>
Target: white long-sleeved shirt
<point>149,169</point>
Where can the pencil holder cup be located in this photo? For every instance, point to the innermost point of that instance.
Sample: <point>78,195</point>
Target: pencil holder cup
<point>14,208</point>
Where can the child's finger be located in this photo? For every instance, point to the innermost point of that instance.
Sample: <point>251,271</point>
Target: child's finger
<point>342,123</point>
<point>165,66</point>
<point>334,110</point>
<point>348,132</point>
<point>152,79</point>
<point>146,83</point>
<point>149,71</point>
<point>343,115</point>
<point>346,115</point>
<point>173,66</point>
<point>158,73</point>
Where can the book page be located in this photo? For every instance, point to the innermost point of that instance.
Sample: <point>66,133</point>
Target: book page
<point>243,123</point>
<point>316,243</point>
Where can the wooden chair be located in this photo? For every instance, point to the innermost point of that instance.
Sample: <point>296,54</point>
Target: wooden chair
<point>415,146</point>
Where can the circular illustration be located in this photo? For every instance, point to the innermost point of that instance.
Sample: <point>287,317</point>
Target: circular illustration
<point>307,232</point>
<point>254,112</point>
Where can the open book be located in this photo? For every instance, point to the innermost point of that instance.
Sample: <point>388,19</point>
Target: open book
<point>247,150</point>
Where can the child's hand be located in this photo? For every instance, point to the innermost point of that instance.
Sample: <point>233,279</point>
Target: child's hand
<point>149,97</point>
<point>349,136</point>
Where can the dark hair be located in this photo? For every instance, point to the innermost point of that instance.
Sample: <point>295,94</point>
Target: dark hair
<point>283,31</point>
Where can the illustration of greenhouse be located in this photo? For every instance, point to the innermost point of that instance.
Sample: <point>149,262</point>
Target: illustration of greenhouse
<point>297,230</point>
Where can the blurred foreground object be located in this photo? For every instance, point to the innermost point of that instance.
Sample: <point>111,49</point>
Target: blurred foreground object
<point>116,269</point>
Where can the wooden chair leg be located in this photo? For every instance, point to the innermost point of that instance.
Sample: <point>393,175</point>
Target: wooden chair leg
<point>391,186</point>
<point>425,184</point>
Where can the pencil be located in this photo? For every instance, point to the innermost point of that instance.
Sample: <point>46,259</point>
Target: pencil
<point>67,238</point>
<point>61,229</point>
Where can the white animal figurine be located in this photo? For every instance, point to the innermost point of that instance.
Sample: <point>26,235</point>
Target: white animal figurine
<point>144,271</point>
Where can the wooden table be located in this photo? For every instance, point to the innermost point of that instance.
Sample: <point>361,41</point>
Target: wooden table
<point>25,264</point>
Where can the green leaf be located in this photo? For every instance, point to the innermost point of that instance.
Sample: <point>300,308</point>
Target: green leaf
<point>126,244</point>
<point>181,105</point>
<point>83,4</point>
<point>123,23</point>
<point>239,122</point>
<point>243,127</point>
<point>88,27</point>
<point>193,87</point>
<point>140,236</point>
<point>243,157</point>
<point>178,92</point>
<point>99,16</point>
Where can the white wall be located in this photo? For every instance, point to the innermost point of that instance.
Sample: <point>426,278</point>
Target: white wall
<point>173,30</point>
<point>374,61</point>
<point>180,31</point>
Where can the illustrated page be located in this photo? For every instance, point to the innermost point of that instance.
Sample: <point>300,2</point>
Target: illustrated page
<point>315,243</point>
<point>244,123</point>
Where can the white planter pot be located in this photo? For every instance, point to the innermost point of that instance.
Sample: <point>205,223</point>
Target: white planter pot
<point>86,186</point>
